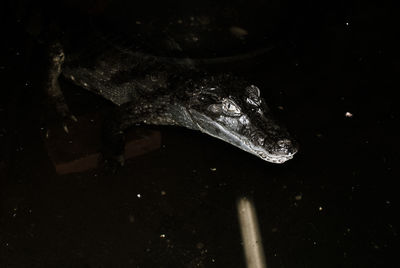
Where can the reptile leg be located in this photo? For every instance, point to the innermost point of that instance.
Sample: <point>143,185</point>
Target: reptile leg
<point>55,96</point>
<point>113,141</point>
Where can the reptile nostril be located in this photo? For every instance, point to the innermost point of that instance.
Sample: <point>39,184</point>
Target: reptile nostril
<point>285,143</point>
<point>261,141</point>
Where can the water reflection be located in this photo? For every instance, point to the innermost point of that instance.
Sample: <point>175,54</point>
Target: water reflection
<point>252,242</point>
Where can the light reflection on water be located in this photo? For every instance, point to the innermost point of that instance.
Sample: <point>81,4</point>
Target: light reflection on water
<point>252,242</point>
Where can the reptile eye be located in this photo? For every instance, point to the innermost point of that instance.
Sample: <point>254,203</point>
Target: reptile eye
<point>230,107</point>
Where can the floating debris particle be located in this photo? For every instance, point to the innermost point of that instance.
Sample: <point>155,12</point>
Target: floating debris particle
<point>204,20</point>
<point>213,169</point>
<point>163,193</point>
<point>238,32</point>
<point>138,22</point>
<point>139,195</point>
<point>66,129</point>
<point>374,245</point>
<point>199,245</point>
<point>298,197</point>
<point>320,208</point>
<point>162,235</point>
<point>131,219</point>
<point>348,114</point>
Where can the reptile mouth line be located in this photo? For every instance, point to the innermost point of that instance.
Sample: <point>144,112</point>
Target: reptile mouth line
<point>274,159</point>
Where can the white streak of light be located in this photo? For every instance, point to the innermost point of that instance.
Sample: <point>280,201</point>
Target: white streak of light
<point>252,244</point>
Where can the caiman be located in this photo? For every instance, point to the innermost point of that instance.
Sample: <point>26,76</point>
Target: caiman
<point>161,90</point>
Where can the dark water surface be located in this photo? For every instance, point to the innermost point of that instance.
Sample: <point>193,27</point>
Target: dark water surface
<point>334,205</point>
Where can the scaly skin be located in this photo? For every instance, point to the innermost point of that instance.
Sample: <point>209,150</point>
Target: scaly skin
<point>156,91</point>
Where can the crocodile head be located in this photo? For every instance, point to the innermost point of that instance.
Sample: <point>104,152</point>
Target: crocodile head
<point>235,113</point>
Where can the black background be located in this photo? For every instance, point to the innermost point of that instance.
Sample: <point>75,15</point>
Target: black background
<point>334,205</point>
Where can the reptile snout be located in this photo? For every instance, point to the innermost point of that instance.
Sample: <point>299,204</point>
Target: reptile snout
<point>285,143</point>
<point>286,146</point>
